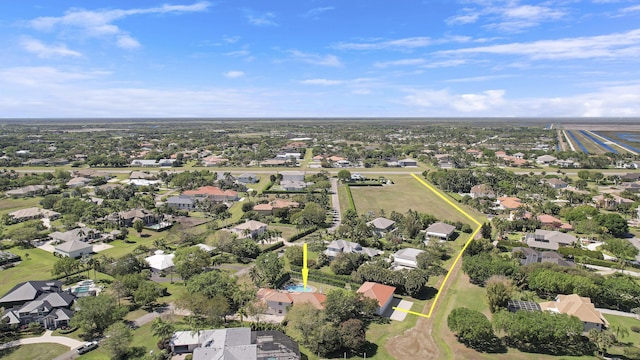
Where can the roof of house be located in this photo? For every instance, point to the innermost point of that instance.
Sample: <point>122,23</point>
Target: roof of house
<point>250,225</point>
<point>73,245</point>
<point>160,261</point>
<point>210,191</point>
<point>349,247</point>
<point>481,189</point>
<point>548,219</point>
<point>381,223</point>
<point>580,307</point>
<point>315,299</point>
<point>379,292</point>
<point>135,213</point>
<point>280,203</point>
<point>180,199</point>
<point>408,253</point>
<point>263,207</point>
<point>29,290</point>
<point>441,228</point>
<point>71,235</point>
<point>555,181</point>
<point>510,202</point>
<point>524,250</point>
<point>78,181</point>
<point>33,212</point>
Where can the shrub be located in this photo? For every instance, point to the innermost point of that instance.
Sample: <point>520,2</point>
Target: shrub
<point>635,329</point>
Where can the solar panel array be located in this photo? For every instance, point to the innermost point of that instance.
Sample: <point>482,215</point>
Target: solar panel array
<point>515,305</point>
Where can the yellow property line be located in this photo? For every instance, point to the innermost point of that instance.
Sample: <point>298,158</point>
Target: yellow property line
<point>446,278</point>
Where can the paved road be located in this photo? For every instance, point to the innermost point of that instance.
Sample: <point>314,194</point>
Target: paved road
<point>618,313</point>
<point>636,242</point>
<point>608,271</point>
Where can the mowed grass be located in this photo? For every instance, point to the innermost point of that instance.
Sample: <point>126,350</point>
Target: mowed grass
<point>9,204</point>
<point>624,322</point>
<point>407,193</point>
<point>36,267</point>
<point>34,352</point>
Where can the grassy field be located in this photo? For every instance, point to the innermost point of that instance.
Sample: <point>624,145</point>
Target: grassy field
<point>9,204</point>
<point>36,267</point>
<point>33,352</point>
<point>589,144</point>
<point>624,322</point>
<point>406,193</point>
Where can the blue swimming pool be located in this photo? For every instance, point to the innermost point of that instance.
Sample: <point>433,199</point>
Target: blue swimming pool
<point>298,288</point>
<point>81,289</point>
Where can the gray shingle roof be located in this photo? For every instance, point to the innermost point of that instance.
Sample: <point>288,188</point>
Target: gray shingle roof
<point>73,245</point>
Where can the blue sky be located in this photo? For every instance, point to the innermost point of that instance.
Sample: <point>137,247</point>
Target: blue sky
<point>319,58</point>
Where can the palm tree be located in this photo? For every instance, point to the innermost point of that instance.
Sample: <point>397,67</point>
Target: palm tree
<point>162,329</point>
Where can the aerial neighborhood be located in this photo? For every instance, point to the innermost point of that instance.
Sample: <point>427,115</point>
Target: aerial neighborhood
<point>256,239</point>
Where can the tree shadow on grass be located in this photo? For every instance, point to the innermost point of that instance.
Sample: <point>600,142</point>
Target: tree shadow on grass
<point>8,351</point>
<point>427,293</point>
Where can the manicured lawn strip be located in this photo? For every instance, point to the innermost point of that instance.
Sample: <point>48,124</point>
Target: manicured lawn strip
<point>344,199</point>
<point>626,322</point>
<point>287,230</point>
<point>34,352</point>
<point>9,204</point>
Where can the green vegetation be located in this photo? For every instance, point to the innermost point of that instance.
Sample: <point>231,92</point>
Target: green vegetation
<point>33,352</point>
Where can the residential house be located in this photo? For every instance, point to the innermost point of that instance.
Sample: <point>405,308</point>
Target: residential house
<point>273,162</point>
<point>294,185</point>
<point>166,162</point>
<point>213,160</point>
<point>555,258</point>
<point>406,257</point>
<point>38,301</point>
<point>289,156</point>
<point>160,261</point>
<point>580,307</point>
<point>263,209</point>
<point>556,183</point>
<point>293,176</point>
<point>142,175</point>
<point>382,226</point>
<point>342,246</point>
<point>528,256</point>
<point>78,182</point>
<point>33,213</point>
<point>549,240</point>
<point>545,159</point>
<point>440,231</point>
<point>633,187</point>
<point>567,163</point>
<point>83,234</point>
<point>73,249</point>
<point>235,344</point>
<point>610,201</point>
<point>127,218</point>
<point>382,294</point>
<point>278,302</point>
<point>213,194</point>
<point>408,163</point>
<point>482,191</point>
<point>181,202</point>
<point>250,228</point>
<point>518,155</point>
<point>247,178</point>
<point>509,203</point>
<point>553,222</point>
<point>30,190</point>
<point>144,163</point>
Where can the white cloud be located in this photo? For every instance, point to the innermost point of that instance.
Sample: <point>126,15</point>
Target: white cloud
<point>617,45</point>
<point>445,63</point>
<point>44,76</point>
<point>100,23</point>
<point>630,9</point>
<point>233,74</point>
<point>477,78</point>
<point>266,19</point>
<point>314,59</point>
<point>398,44</point>
<point>401,62</point>
<point>321,82</point>
<point>464,103</point>
<point>315,12</point>
<point>506,15</point>
<point>47,51</point>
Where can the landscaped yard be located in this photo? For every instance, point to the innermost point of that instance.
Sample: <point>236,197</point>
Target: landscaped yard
<point>33,352</point>
<point>36,267</point>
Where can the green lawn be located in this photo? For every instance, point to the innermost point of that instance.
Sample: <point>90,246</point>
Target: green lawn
<point>406,193</point>
<point>33,352</point>
<point>36,267</point>
<point>627,323</point>
<point>9,204</point>
<point>344,199</point>
<point>121,248</point>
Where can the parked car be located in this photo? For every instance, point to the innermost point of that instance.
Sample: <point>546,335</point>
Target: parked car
<point>87,347</point>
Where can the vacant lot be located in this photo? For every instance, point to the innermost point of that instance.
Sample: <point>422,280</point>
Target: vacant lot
<point>34,352</point>
<point>406,193</point>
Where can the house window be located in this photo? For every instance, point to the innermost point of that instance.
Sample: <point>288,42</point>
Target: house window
<point>279,311</point>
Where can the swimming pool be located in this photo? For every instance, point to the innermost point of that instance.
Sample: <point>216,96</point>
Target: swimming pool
<point>81,289</point>
<point>298,288</point>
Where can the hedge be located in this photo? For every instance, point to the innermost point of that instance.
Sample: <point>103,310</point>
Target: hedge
<point>272,247</point>
<point>574,252</point>
<point>352,205</point>
<point>333,280</point>
<point>343,278</point>
<point>303,234</point>
<point>597,262</point>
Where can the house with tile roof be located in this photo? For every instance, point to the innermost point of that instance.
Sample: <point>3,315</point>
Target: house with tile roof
<point>33,213</point>
<point>549,240</point>
<point>509,203</point>
<point>212,193</point>
<point>580,307</point>
<point>278,302</point>
<point>382,294</point>
<point>440,230</point>
<point>482,191</point>
<point>343,246</point>
<point>250,228</point>
<point>73,249</point>
<point>407,257</point>
<point>381,226</point>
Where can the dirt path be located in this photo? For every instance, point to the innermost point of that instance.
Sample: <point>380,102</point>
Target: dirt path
<point>417,342</point>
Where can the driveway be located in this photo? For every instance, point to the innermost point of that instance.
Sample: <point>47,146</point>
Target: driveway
<point>47,337</point>
<point>636,242</point>
<point>398,315</point>
<point>335,204</point>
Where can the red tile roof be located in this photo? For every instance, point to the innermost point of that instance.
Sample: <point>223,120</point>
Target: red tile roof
<point>380,293</point>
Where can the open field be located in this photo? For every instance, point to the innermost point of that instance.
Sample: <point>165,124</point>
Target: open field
<point>406,193</point>
<point>627,137</point>
<point>37,267</point>
<point>9,204</point>
<point>34,352</point>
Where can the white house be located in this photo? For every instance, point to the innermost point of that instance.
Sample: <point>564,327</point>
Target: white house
<point>440,230</point>
<point>408,163</point>
<point>407,257</point>
<point>73,249</point>
<point>160,261</point>
<point>296,176</point>
<point>250,228</point>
